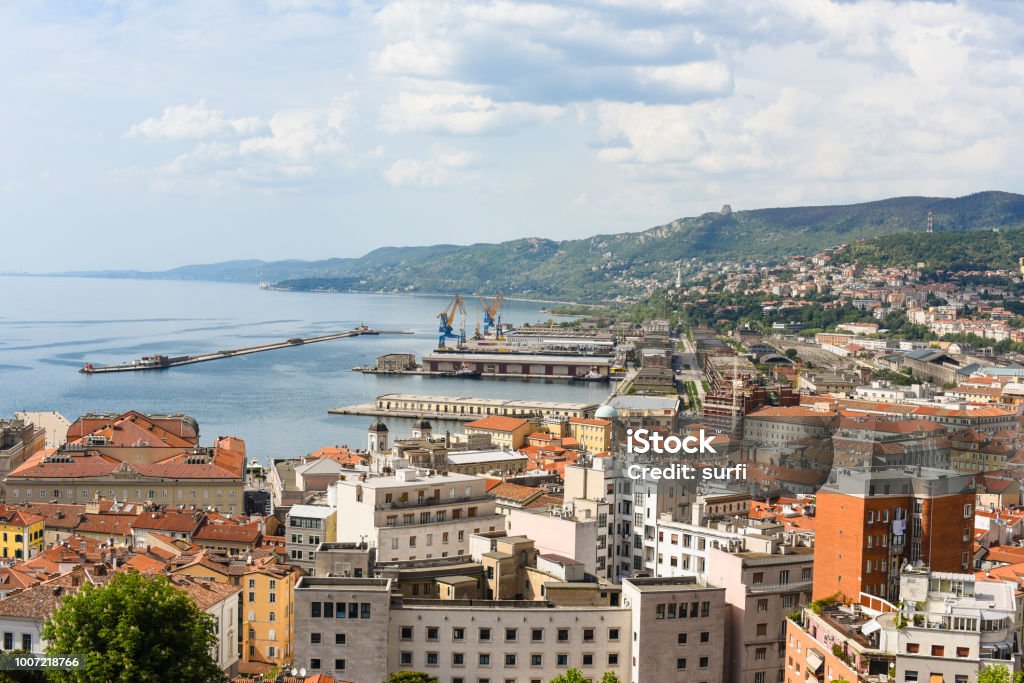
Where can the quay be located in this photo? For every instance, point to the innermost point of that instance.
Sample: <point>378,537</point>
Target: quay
<point>159,362</point>
<point>463,408</point>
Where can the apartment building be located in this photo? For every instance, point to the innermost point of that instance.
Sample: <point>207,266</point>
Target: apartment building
<point>306,527</point>
<point>762,585</point>
<point>871,521</point>
<point>414,514</point>
<point>267,601</point>
<point>21,532</point>
<point>664,629</point>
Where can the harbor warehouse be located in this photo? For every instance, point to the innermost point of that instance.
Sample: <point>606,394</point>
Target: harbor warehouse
<point>518,365</point>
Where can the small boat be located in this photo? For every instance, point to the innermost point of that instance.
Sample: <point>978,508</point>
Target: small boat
<point>466,372</point>
<point>594,375</point>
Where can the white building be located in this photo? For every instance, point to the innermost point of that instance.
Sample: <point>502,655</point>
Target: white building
<point>414,514</point>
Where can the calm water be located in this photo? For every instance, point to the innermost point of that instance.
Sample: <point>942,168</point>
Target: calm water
<point>277,401</point>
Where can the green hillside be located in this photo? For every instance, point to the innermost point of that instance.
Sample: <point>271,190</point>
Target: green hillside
<point>620,265</point>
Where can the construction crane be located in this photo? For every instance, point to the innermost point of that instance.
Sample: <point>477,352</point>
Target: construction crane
<point>492,317</point>
<point>447,318</point>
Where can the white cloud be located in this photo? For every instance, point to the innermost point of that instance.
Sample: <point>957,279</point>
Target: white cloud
<point>193,122</point>
<point>444,169</point>
<point>462,114</point>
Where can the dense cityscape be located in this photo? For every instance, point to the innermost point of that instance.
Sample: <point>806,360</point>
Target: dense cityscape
<point>876,533</point>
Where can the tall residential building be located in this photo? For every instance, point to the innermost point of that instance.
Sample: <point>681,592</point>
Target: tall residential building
<point>414,514</point>
<point>19,440</point>
<point>870,522</point>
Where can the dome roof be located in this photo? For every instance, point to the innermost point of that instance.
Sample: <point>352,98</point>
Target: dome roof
<point>422,423</point>
<point>606,412</point>
<point>378,427</point>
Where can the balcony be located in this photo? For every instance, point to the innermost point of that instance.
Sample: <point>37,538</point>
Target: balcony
<point>791,587</point>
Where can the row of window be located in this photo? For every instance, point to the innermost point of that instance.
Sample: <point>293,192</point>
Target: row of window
<point>672,610</point>
<point>682,663</point>
<point>484,634</point>
<point>26,641</point>
<point>338,610</point>
<point>511,660</point>
<point>44,494</point>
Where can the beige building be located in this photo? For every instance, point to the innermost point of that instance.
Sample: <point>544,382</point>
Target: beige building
<point>593,434</point>
<point>505,432</point>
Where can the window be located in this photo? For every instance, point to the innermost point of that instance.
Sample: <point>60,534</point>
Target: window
<point>762,605</point>
<point>485,635</point>
<point>536,660</point>
<point>315,610</point>
<point>563,635</point>
<point>681,664</point>
<point>339,664</point>
<point>458,633</point>
<point>458,659</point>
<point>314,638</point>
<point>759,677</point>
<point>511,634</point>
<point>968,510</point>
<point>913,648</point>
<point>431,659</point>
<point>703,662</point>
<point>588,635</point>
<point>485,660</point>
<point>761,653</point>
<point>784,576</point>
<point>705,636</point>
<point>510,660</point>
<point>758,578</point>
<point>910,676</point>
<point>938,650</point>
<point>314,663</point>
<point>339,638</point>
<point>26,642</point>
<point>613,659</point>
<point>432,632</point>
<point>537,635</point>
<point>762,630</point>
<point>963,652</point>
<point>562,660</point>
<point>406,633</point>
<point>588,659</point>
<point>405,658</point>
<point>613,634</point>
<point>681,639</point>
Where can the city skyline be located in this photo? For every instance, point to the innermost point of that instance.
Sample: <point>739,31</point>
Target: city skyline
<point>317,129</point>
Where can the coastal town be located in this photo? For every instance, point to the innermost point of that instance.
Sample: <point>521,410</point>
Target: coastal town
<point>876,532</point>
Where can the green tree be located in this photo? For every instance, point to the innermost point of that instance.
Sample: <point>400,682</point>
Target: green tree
<point>999,673</point>
<point>610,677</point>
<point>134,629</point>
<point>570,676</point>
<point>792,354</point>
<point>411,677</point>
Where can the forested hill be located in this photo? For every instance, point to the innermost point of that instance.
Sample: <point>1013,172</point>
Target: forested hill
<point>986,249</point>
<point>618,265</point>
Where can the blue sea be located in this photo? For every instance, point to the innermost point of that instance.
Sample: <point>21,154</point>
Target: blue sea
<point>276,401</point>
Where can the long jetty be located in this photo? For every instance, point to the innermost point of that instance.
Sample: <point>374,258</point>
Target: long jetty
<point>159,362</point>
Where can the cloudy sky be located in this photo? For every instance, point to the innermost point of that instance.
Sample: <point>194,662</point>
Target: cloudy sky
<point>154,134</point>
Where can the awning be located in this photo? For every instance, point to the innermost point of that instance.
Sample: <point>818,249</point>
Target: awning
<point>870,627</point>
<point>815,661</point>
<point>992,615</point>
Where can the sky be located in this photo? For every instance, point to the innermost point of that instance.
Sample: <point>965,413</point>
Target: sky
<point>148,135</point>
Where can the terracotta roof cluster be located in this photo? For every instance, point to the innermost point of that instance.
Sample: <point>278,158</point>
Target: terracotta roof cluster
<point>95,445</point>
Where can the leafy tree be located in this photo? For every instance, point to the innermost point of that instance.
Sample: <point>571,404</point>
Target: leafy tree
<point>410,677</point>
<point>134,629</point>
<point>610,677</point>
<point>570,676</point>
<point>999,673</point>
<point>792,354</point>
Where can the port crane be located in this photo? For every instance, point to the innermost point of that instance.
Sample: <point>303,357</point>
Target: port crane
<point>447,318</point>
<point>492,317</point>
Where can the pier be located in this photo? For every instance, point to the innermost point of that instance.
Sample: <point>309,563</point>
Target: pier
<point>159,362</point>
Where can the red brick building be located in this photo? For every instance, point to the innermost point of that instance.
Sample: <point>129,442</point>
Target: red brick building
<point>869,523</point>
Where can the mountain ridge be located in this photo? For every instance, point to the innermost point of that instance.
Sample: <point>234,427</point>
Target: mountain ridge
<point>612,265</point>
